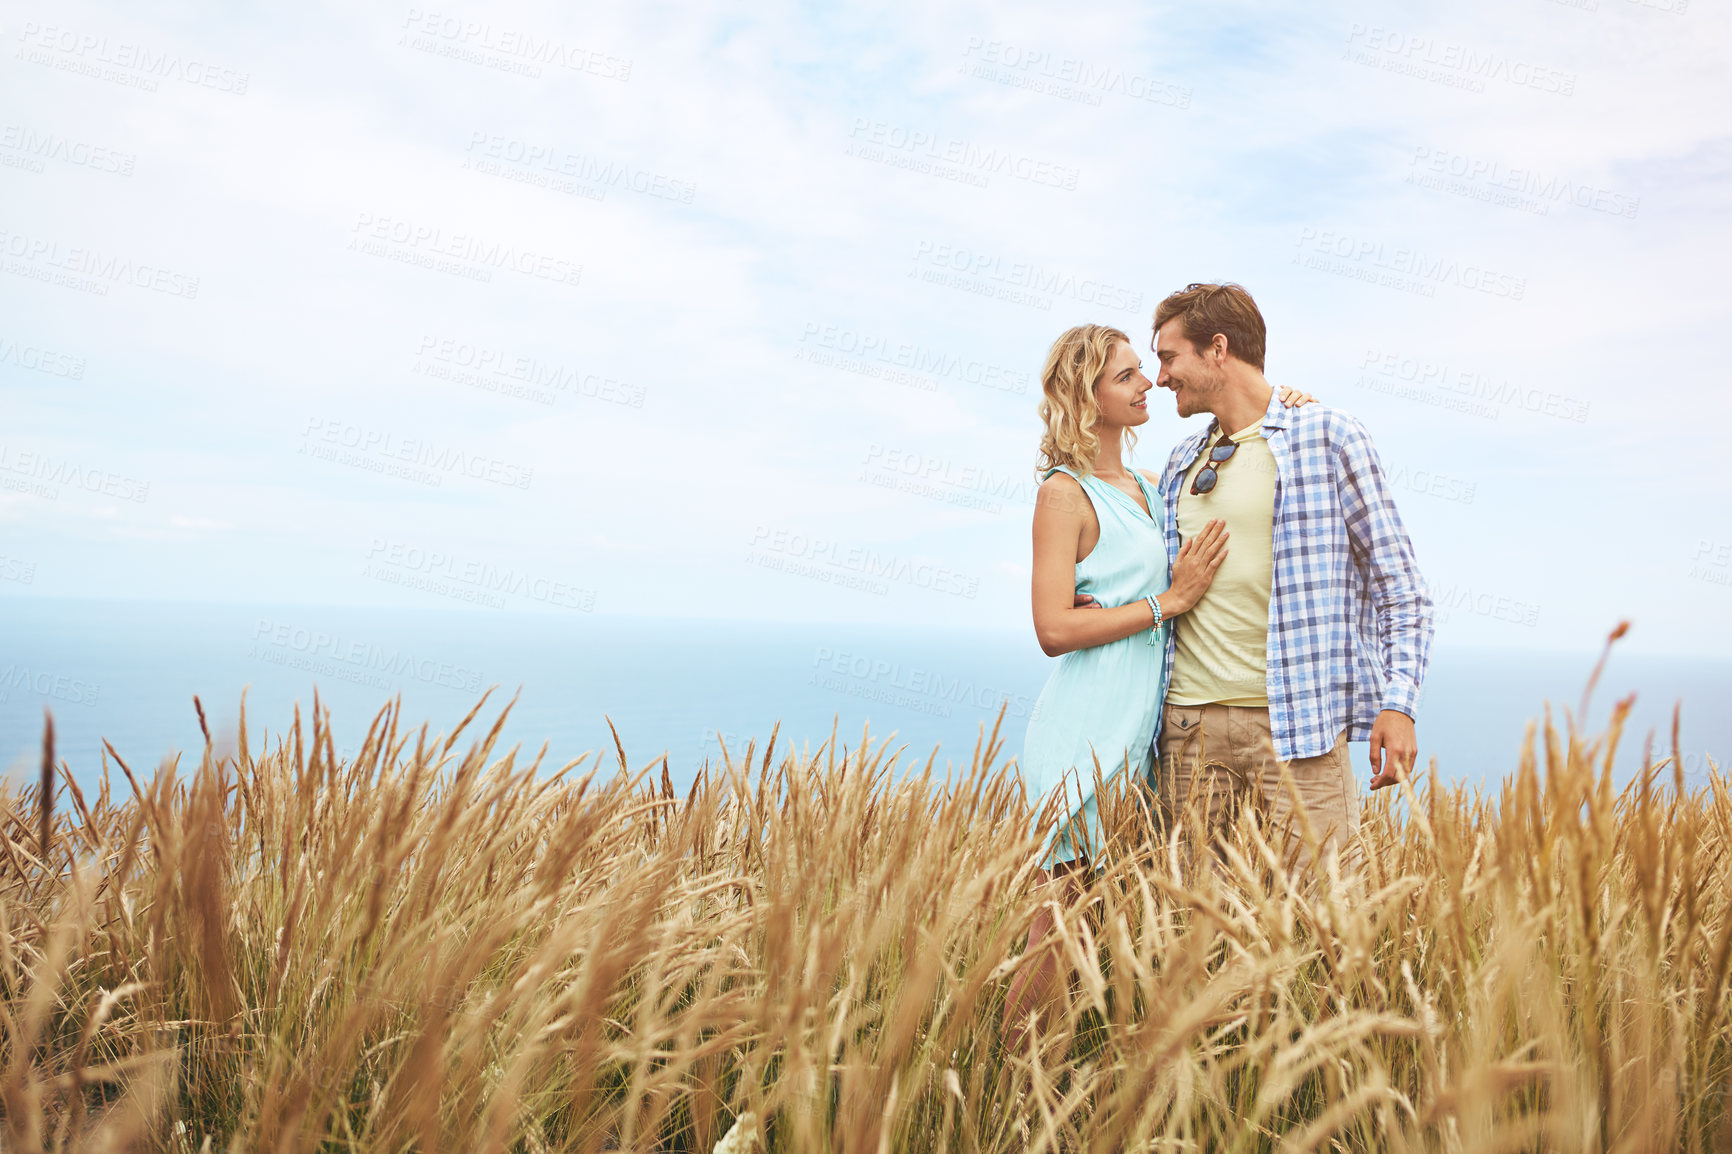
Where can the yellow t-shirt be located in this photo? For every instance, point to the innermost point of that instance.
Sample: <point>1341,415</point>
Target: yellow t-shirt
<point>1222,643</point>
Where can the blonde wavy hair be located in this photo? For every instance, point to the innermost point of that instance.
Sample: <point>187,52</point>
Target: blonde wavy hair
<point>1068,409</point>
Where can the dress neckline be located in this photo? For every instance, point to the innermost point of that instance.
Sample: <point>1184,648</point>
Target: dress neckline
<point>1142,487</point>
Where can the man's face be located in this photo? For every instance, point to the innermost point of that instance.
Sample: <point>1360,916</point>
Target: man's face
<point>1196,378</point>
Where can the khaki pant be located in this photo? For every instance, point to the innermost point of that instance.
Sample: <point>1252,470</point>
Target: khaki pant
<point>1218,758</point>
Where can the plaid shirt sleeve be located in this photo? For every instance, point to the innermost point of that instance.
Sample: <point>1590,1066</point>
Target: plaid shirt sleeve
<point>1382,551</point>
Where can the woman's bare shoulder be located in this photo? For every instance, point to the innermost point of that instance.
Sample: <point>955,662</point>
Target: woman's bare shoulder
<point>1063,493</point>
<point>1057,482</point>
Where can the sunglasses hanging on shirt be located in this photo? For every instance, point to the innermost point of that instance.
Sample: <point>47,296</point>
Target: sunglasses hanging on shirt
<point>1204,482</point>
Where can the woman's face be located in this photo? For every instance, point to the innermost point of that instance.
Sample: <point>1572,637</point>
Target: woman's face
<point>1122,393</point>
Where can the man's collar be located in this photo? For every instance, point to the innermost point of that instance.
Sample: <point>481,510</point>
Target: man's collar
<point>1185,453</point>
<point>1275,416</point>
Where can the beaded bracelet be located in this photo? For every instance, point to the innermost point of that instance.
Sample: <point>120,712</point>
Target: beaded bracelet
<point>1155,629</point>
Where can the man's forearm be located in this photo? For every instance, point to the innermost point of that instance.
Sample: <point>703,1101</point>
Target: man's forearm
<point>1405,633</point>
<point>1402,604</point>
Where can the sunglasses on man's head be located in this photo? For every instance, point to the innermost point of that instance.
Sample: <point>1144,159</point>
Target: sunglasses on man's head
<point>1204,482</point>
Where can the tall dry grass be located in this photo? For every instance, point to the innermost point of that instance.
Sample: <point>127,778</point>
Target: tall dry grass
<point>438,948</point>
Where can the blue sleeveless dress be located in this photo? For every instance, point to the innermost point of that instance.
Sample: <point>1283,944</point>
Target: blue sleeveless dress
<point>1105,701</point>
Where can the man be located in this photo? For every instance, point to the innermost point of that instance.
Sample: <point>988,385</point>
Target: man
<point>1317,628</point>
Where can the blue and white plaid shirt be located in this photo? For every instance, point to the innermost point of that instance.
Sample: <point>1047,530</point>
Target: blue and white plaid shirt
<point>1349,617</point>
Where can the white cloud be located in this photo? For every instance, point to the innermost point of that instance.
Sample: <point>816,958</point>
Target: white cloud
<point>707,312</point>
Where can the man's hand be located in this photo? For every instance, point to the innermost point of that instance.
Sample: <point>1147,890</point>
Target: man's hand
<point>1394,748</point>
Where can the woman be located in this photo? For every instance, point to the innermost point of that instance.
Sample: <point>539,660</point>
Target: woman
<point>1097,535</point>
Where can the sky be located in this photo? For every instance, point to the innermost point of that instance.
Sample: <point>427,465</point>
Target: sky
<point>729,311</point>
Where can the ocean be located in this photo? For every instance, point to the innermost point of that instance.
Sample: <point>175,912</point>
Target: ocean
<point>127,671</point>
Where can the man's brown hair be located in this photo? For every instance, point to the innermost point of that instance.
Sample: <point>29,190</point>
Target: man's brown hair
<point>1207,309</point>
